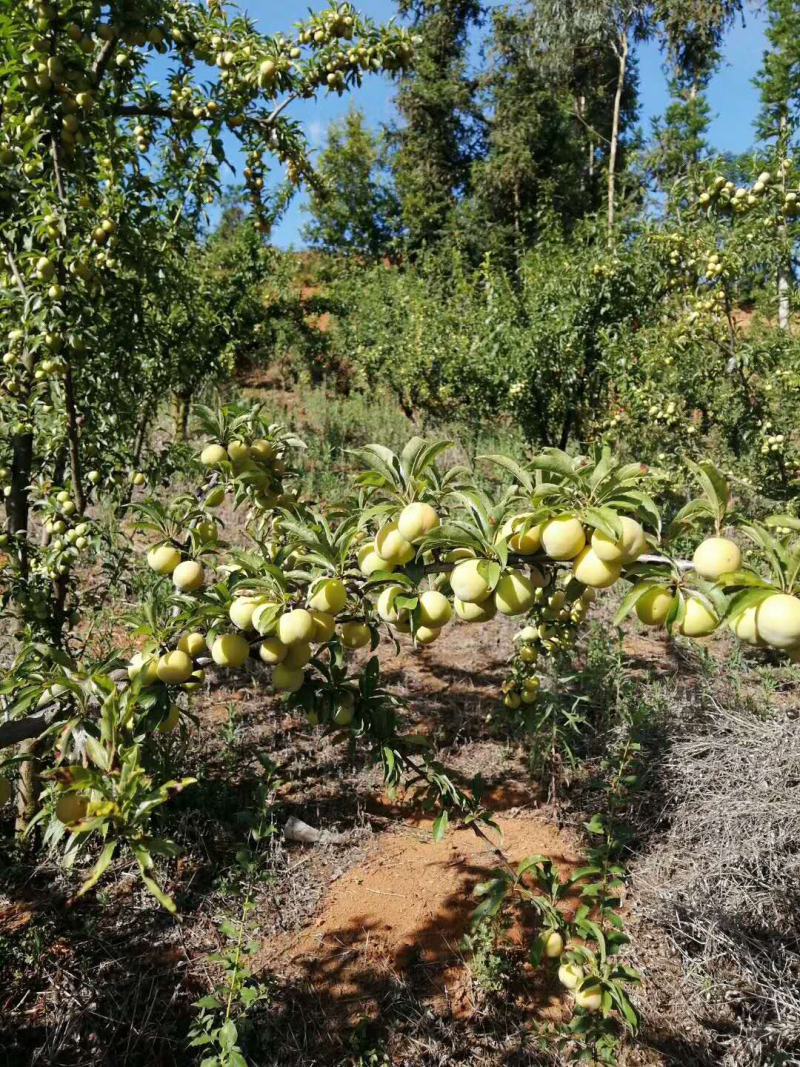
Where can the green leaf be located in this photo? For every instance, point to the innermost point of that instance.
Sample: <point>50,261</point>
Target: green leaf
<point>228,1035</point>
<point>687,514</point>
<point>99,868</point>
<point>604,519</point>
<point>96,753</point>
<point>595,825</point>
<point>714,486</point>
<point>783,520</point>
<point>440,827</point>
<point>554,461</point>
<point>490,572</point>
<point>518,473</point>
<point>494,892</point>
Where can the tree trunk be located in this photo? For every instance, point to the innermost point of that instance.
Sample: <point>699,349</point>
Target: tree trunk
<point>27,786</point>
<point>73,439</point>
<point>180,415</point>
<point>785,268</point>
<point>783,294</point>
<point>622,55</point>
<point>19,502</point>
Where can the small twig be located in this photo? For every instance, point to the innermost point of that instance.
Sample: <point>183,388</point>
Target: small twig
<point>57,168</point>
<point>17,276</point>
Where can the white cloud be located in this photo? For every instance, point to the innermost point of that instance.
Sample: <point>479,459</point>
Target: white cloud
<point>317,130</point>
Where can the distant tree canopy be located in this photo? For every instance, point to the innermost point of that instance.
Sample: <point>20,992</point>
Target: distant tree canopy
<point>355,211</point>
<point>516,118</point>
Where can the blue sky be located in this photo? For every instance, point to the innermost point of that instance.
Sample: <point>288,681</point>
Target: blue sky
<point>732,96</point>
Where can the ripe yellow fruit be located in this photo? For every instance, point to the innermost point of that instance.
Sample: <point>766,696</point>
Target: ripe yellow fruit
<point>386,604</point>
<point>6,791</point>
<point>745,626</point>
<point>273,651</point>
<point>589,569</point>
<point>144,665</point>
<point>188,576</point>
<point>778,620</point>
<point>570,974</point>
<point>589,998</point>
<point>298,655</point>
<point>324,626</point>
<point>553,944</point>
<point>263,450</point>
<point>716,556</point>
<point>241,611</point>
<point>627,549</point>
<point>563,537</point>
<point>355,635</point>
<point>163,559</point>
<point>698,621</point>
<point>516,591</point>
<point>193,644</point>
<point>456,554</point>
<point>171,721</point>
<point>653,606</point>
<point>468,584</point>
<point>434,609</point>
<point>173,668</point>
<point>416,521</point>
<point>369,561</point>
<point>213,455</point>
<point>230,650</point>
<point>287,679</point>
<point>392,546</point>
<point>71,807</point>
<point>238,451</point>
<point>426,635</point>
<point>526,542</point>
<point>483,612</point>
<point>294,626</point>
<point>330,597</point>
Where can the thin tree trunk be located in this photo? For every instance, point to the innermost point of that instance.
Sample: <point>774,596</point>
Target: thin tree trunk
<point>180,414</point>
<point>27,785</point>
<point>622,55</point>
<point>785,269</point>
<point>19,502</point>
<point>73,439</point>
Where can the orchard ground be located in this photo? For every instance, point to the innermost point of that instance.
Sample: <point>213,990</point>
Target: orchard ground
<point>360,939</point>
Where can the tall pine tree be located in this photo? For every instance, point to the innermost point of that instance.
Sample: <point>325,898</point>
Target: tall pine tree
<point>548,130</point>
<point>779,118</point>
<point>355,211</point>
<point>679,138</point>
<point>440,133</point>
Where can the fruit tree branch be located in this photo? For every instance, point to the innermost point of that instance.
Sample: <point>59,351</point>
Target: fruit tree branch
<point>103,60</point>
<point>11,733</point>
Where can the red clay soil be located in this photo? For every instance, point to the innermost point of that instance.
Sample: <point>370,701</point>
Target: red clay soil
<point>406,907</point>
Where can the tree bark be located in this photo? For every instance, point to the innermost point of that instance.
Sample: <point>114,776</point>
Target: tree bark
<point>622,55</point>
<point>785,268</point>
<point>180,415</point>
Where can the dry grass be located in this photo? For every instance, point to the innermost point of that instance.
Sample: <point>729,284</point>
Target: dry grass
<point>723,882</point>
